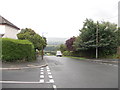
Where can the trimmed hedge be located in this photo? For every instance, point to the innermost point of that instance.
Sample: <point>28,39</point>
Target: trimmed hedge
<point>13,49</point>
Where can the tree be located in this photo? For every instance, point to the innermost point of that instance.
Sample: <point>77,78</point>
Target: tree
<point>118,36</point>
<point>35,38</point>
<point>69,44</point>
<point>62,48</point>
<point>106,37</point>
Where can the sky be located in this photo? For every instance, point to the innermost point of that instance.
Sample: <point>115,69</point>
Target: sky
<point>57,18</point>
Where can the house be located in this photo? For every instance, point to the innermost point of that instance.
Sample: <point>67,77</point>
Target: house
<point>8,29</point>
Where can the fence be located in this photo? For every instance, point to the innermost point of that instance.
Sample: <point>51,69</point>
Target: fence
<point>118,51</point>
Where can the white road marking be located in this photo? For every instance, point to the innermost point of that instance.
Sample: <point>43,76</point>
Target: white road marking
<point>41,76</point>
<point>48,70</point>
<point>115,65</point>
<point>17,82</point>
<point>110,64</point>
<point>41,72</point>
<point>49,73</point>
<point>54,86</point>
<point>50,76</point>
<point>105,63</point>
<point>41,81</point>
<point>41,68</point>
<point>51,81</point>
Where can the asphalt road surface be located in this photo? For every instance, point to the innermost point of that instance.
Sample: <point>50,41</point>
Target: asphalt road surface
<point>74,73</point>
<point>62,72</point>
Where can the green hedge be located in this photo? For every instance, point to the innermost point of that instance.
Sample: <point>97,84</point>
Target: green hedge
<point>13,50</point>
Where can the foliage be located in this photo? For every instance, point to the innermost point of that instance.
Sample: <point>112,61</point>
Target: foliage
<point>36,39</point>
<point>13,50</point>
<point>69,44</point>
<point>67,53</point>
<point>51,48</point>
<point>118,36</point>
<point>62,48</point>
<point>86,41</point>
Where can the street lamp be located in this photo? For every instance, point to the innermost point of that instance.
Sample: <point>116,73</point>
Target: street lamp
<point>97,41</point>
<point>43,45</point>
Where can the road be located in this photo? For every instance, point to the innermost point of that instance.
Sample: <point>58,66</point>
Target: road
<point>73,73</point>
<point>63,72</point>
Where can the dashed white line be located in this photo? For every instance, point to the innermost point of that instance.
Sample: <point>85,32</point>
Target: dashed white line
<point>48,70</point>
<point>41,81</point>
<point>41,76</point>
<point>51,81</point>
<point>49,73</point>
<point>54,86</point>
<point>41,72</point>
<point>110,64</point>
<point>50,76</point>
<point>41,68</point>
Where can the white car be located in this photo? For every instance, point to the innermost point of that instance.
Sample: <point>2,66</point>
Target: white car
<point>59,54</point>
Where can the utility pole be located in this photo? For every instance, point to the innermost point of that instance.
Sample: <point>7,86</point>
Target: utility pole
<point>97,41</point>
<point>42,47</point>
<point>42,52</point>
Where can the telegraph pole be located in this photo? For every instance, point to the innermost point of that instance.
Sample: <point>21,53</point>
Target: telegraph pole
<point>42,47</point>
<point>97,41</point>
<point>42,52</point>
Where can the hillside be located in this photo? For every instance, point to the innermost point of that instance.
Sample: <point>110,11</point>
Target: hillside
<point>56,41</point>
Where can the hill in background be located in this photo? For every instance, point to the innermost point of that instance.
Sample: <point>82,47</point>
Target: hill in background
<point>56,41</point>
<point>53,44</point>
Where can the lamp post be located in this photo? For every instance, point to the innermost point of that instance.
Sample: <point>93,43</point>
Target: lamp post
<point>97,40</point>
<point>42,45</point>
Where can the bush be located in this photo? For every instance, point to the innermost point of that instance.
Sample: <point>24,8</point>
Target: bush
<point>13,50</point>
<point>67,53</point>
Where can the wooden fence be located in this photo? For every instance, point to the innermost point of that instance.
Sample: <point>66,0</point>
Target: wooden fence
<point>118,51</point>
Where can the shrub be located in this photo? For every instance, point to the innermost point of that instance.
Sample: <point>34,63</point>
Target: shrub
<point>13,50</point>
<point>67,53</point>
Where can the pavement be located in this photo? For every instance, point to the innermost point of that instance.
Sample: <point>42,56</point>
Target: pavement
<point>105,61</point>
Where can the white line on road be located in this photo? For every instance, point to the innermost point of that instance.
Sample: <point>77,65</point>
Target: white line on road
<point>48,70</point>
<point>18,82</point>
<point>51,81</point>
<point>41,68</point>
<point>50,76</point>
<point>110,64</point>
<point>54,86</point>
<point>41,76</point>
<point>49,73</point>
<point>41,81</point>
<point>41,72</point>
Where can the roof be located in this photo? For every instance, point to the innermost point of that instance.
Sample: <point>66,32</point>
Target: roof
<point>4,21</point>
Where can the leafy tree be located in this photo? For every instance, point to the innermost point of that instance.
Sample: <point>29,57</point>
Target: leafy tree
<point>35,38</point>
<point>118,36</point>
<point>62,48</point>
<point>69,43</point>
<point>106,37</point>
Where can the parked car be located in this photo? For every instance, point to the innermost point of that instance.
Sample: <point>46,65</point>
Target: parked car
<point>58,54</point>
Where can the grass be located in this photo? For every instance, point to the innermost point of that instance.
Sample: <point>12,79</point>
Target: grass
<point>76,57</point>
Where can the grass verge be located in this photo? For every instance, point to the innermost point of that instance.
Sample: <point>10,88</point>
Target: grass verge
<point>76,57</point>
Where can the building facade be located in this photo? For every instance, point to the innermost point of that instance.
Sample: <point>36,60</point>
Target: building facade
<point>7,29</point>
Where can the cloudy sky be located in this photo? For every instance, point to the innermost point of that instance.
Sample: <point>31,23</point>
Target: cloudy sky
<point>57,18</point>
